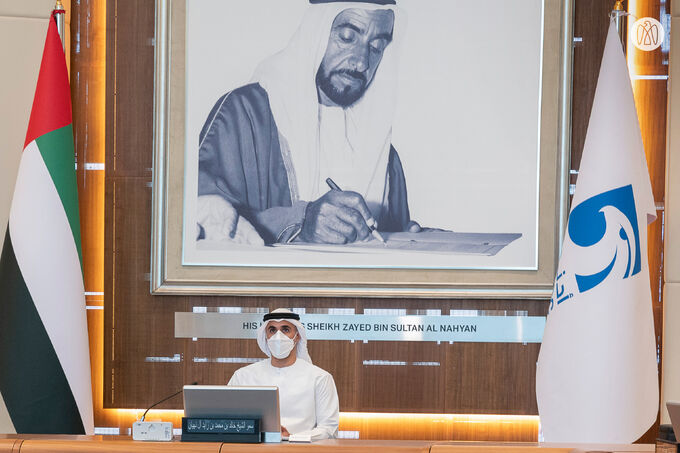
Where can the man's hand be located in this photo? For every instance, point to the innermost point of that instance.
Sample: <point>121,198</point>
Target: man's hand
<point>221,222</point>
<point>284,432</point>
<point>338,217</point>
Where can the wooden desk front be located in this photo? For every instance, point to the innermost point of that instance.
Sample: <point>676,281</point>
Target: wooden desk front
<point>120,444</point>
<point>533,447</point>
<point>7,445</point>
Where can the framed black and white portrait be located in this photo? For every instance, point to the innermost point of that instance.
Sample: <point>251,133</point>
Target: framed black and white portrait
<point>410,148</point>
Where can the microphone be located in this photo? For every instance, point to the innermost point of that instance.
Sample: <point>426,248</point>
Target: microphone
<point>163,400</point>
<point>154,431</point>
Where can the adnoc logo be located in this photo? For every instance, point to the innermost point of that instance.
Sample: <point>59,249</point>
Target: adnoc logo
<point>647,34</point>
<point>607,223</point>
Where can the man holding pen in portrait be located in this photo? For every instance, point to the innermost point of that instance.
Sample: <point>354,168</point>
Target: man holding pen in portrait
<point>317,116</point>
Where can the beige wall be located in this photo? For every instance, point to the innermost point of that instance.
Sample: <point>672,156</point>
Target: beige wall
<point>670,385</point>
<point>23,25</point>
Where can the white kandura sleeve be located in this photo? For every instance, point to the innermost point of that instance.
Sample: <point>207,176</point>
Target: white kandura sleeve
<point>327,409</point>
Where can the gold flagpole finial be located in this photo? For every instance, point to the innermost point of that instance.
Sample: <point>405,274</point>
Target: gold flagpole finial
<point>59,15</point>
<point>618,15</point>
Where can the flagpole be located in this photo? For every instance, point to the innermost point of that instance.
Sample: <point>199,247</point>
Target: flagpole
<point>60,15</point>
<point>619,15</point>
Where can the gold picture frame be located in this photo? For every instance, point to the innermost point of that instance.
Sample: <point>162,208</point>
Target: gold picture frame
<point>171,275</point>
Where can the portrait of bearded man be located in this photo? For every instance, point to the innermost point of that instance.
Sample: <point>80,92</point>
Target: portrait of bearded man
<point>320,108</point>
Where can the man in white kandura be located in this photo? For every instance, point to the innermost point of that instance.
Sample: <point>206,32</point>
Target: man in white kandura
<point>307,395</point>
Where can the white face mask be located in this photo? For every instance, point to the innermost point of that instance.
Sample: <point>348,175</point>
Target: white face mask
<point>280,345</point>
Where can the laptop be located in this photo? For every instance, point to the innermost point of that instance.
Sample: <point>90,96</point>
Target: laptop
<point>674,412</point>
<point>214,401</point>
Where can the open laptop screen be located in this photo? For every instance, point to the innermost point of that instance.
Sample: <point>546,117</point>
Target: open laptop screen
<point>215,401</point>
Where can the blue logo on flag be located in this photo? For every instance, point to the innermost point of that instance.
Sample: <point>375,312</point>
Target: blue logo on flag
<point>588,225</point>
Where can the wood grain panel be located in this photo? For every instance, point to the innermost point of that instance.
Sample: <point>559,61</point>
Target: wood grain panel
<point>591,22</point>
<point>88,91</point>
<point>91,200</point>
<point>117,444</point>
<point>401,377</point>
<point>492,378</point>
<point>130,69</point>
<point>654,62</point>
<point>441,427</point>
<point>144,361</point>
<point>498,449</point>
<point>7,445</point>
<point>650,101</point>
<point>114,445</point>
<point>95,327</point>
<point>335,446</point>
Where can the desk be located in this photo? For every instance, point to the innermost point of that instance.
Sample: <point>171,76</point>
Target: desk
<point>7,445</point>
<point>124,444</point>
<point>534,447</point>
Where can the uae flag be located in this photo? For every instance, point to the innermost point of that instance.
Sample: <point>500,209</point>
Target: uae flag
<point>44,353</point>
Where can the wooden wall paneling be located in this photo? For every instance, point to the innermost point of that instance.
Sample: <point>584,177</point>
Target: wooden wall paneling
<point>139,328</point>
<point>481,377</point>
<point>202,355</point>
<point>147,359</point>
<point>656,61</point>
<point>88,94</point>
<point>492,378</point>
<point>401,376</point>
<point>95,324</point>
<point>208,361</point>
<point>500,449</point>
<point>591,22</point>
<point>340,359</point>
<point>442,427</point>
<point>109,247</point>
<point>131,67</point>
<point>88,90</point>
<point>651,103</point>
<point>91,202</point>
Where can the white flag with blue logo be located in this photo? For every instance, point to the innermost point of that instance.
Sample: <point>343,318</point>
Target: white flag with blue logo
<point>596,379</point>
